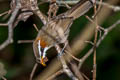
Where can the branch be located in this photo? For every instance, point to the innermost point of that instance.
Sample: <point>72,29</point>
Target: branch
<point>78,43</point>
<point>33,71</point>
<point>72,2</point>
<point>64,64</point>
<point>115,8</point>
<point>3,24</point>
<point>95,41</point>
<point>25,41</point>
<point>107,30</point>
<point>55,75</point>
<point>3,78</point>
<point>85,76</point>
<point>10,26</point>
<point>6,12</point>
<point>76,71</point>
<point>34,7</point>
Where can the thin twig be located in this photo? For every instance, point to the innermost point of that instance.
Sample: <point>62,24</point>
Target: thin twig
<point>107,30</point>
<point>85,76</point>
<point>6,12</point>
<point>25,41</point>
<point>90,42</point>
<point>64,64</point>
<point>73,65</point>
<point>115,8</point>
<point>55,75</point>
<point>33,71</point>
<point>95,41</point>
<point>75,58</point>
<point>67,2</point>
<point>3,78</point>
<point>98,9</point>
<point>3,24</point>
<point>11,21</point>
<point>36,11</point>
<point>69,51</point>
<point>35,27</point>
<point>76,71</point>
<point>66,5</point>
<point>92,21</point>
<point>10,26</point>
<point>99,27</point>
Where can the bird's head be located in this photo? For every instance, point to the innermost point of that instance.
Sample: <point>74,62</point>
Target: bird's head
<point>40,47</point>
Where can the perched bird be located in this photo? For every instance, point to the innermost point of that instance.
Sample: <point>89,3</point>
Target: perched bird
<point>57,29</point>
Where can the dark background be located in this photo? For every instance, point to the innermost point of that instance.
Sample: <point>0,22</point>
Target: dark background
<point>19,59</point>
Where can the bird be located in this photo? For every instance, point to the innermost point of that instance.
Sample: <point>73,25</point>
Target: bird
<point>56,30</point>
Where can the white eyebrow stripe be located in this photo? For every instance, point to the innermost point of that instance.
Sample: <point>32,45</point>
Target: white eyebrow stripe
<point>39,48</point>
<point>44,53</point>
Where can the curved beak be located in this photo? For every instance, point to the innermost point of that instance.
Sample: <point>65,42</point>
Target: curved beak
<point>42,61</point>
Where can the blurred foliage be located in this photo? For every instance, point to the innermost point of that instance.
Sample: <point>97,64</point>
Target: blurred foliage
<point>19,58</point>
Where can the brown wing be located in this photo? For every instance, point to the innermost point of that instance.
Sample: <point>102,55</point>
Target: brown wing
<point>60,30</point>
<point>65,23</point>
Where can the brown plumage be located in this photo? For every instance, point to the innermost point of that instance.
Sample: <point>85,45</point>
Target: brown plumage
<point>57,29</point>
